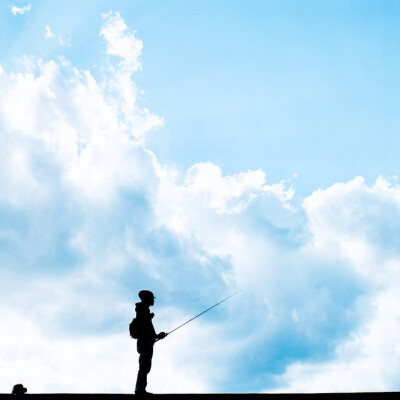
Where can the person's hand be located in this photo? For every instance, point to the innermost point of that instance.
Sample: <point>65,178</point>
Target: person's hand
<point>161,335</point>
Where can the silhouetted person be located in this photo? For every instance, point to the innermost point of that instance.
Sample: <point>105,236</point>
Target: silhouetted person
<point>146,337</point>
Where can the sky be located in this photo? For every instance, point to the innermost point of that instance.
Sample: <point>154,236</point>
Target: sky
<point>198,148</point>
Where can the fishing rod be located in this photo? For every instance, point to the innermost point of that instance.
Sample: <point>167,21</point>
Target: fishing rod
<point>203,312</point>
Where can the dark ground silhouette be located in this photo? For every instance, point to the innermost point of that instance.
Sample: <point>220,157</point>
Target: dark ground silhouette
<point>214,396</point>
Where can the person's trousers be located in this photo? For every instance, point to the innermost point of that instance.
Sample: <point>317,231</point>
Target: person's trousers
<point>145,350</point>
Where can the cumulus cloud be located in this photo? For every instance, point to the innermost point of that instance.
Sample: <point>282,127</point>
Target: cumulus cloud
<point>359,224</point>
<point>121,42</point>
<point>88,217</point>
<point>20,10</point>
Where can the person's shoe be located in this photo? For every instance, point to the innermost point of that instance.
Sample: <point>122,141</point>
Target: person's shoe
<point>142,393</point>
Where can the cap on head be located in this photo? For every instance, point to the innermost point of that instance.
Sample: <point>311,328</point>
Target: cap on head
<point>146,295</point>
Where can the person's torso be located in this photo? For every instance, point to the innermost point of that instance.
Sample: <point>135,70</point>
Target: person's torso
<point>144,318</point>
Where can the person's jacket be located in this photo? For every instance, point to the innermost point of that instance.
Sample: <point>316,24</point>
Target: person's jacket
<point>144,318</point>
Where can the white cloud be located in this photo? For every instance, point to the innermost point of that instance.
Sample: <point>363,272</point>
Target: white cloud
<point>50,35</point>
<point>121,42</point>
<point>20,10</point>
<point>88,216</point>
<point>367,361</point>
<point>358,223</point>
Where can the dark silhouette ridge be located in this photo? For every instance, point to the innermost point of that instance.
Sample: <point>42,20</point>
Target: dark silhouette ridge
<point>212,396</point>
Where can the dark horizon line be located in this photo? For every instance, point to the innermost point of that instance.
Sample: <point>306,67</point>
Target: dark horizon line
<point>208,396</point>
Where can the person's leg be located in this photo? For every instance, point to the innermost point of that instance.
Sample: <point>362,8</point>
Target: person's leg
<point>145,350</point>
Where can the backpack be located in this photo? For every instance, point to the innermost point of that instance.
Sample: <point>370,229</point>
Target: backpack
<point>134,329</point>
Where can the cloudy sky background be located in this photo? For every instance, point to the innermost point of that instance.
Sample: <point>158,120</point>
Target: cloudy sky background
<point>194,149</point>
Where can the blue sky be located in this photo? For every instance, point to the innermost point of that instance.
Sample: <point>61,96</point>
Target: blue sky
<point>194,149</point>
<point>259,84</point>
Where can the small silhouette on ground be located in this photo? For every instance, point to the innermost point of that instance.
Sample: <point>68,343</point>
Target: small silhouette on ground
<point>19,389</point>
<point>142,329</point>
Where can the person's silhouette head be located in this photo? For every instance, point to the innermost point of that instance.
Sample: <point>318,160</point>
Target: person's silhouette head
<point>147,297</point>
